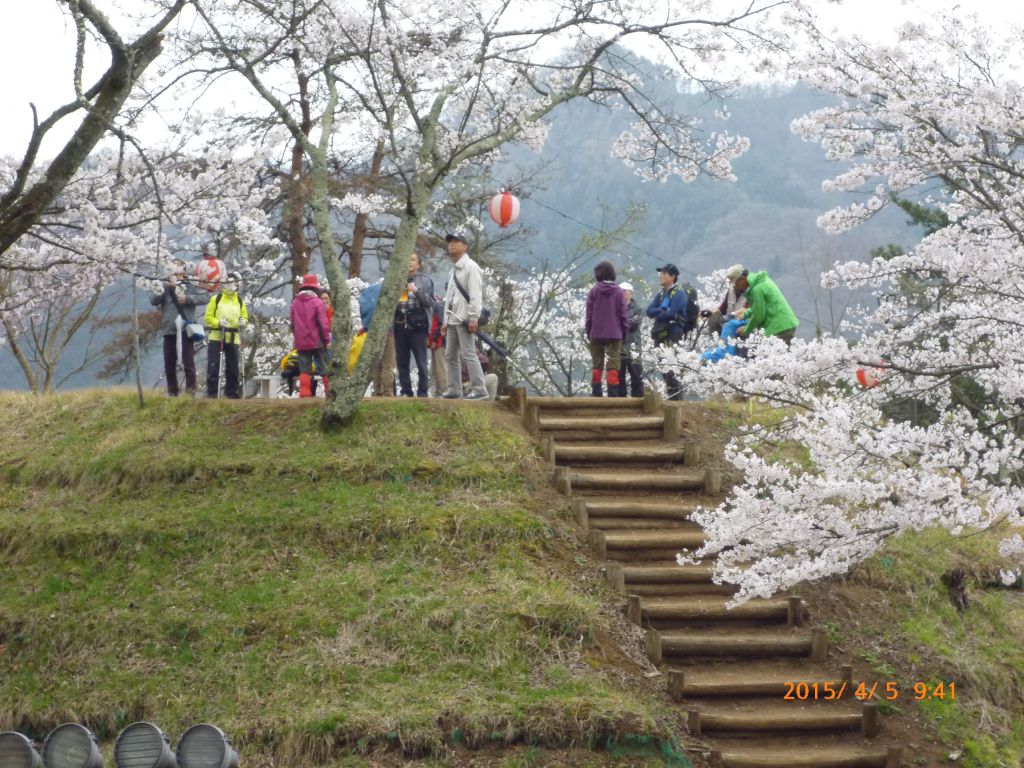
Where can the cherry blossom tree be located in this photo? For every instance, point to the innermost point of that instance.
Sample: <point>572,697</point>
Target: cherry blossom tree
<point>31,185</point>
<point>121,216</point>
<point>442,84</point>
<point>936,116</point>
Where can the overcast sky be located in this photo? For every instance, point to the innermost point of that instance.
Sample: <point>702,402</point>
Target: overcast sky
<point>37,49</point>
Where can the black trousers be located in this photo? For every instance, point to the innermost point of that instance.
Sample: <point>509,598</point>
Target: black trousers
<point>636,376</point>
<point>411,342</point>
<point>188,362</point>
<point>232,383</point>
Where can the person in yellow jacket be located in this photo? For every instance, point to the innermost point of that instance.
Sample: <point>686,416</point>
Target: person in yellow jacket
<point>226,316</point>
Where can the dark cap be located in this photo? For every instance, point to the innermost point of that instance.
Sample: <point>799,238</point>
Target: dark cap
<point>672,269</point>
<point>450,237</point>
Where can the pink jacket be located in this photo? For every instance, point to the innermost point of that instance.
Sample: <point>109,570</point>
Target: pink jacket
<point>310,328</point>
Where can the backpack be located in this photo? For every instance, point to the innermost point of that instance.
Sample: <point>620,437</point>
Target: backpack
<point>692,308</point>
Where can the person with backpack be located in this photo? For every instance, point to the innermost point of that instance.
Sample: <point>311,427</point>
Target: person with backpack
<point>606,327</point>
<point>435,343</point>
<point>768,308</point>
<point>631,365</point>
<point>177,301</point>
<point>463,305</point>
<point>674,311</point>
<point>311,332</point>
<point>226,317</point>
<point>410,328</point>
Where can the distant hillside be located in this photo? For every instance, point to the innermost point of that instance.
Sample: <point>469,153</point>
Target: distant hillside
<point>765,220</point>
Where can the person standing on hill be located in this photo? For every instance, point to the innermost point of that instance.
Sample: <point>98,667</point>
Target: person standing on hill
<point>411,325</point>
<point>631,363</point>
<point>463,303</point>
<point>669,310</point>
<point>311,331</point>
<point>226,316</point>
<point>177,301</point>
<point>606,326</point>
<point>768,308</point>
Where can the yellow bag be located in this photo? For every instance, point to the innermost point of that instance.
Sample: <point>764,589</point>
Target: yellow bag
<point>356,349</point>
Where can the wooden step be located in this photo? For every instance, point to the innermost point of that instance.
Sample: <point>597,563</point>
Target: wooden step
<point>748,643</point>
<point>586,403</point>
<point>635,578</point>
<point>658,544</point>
<point>601,424</point>
<point>741,679</point>
<point>579,454</point>
<point>799,755</point>
<point>660,612</point>
<point>632,508</point>
<point>639,524</point>
<point>636,480</point>
<point>782,717</point>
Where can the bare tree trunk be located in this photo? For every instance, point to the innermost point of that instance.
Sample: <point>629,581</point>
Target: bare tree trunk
<point>298,192</point>
<point>506,308</point>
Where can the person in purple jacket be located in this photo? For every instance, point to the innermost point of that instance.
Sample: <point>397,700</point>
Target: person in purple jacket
<point>607,325</point>
<point>311,332</point>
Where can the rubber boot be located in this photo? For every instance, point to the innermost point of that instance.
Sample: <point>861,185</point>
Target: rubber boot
<point>305,385</point>
<point>595,383</point>
<point>615,388</point>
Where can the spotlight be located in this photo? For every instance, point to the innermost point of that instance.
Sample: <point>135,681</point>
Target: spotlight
<point>71,746</point>
<point>18,751</point>
<point>206,746</point>
<point>143,745</point>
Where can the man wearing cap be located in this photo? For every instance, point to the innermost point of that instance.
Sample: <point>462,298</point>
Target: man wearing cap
<point>463,303</point>
<point>311,331</point>
<point>668,309</point>
<point>767,307</point>
<point>733,301</point>
<point>630,360</point>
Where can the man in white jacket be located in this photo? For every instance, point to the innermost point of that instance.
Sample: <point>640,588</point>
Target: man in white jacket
<point>462,306</point>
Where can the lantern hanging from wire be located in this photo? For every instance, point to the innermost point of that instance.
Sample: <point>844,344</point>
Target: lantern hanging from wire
<point>504,209</point>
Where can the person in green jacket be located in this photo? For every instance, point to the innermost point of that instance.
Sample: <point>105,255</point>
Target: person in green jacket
<point>767,307</point>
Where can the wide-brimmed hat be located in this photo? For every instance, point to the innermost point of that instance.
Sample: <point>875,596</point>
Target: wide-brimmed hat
<point>310,281</point>
<point>626,286</point>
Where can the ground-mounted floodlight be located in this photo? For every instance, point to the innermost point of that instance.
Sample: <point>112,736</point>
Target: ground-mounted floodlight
<point>71,746</point>
<point>18,751</point>
<point>143,745</point>
<point>206,746</point>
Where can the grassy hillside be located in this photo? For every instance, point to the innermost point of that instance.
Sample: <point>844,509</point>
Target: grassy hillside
<point>396,585</point>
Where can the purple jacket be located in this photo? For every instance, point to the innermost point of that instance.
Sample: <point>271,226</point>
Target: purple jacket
<point>309,319</point>
<point>606,313</point>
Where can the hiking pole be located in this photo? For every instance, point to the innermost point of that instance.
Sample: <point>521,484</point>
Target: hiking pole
<point>220,364</point>
<point>241,362</point>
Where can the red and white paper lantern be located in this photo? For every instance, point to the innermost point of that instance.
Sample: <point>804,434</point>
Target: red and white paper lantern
<point>504,208</point>
<point>209,273</point>
<point>869,377</point>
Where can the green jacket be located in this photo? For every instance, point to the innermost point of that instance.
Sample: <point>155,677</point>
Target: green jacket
<point>768,307</point>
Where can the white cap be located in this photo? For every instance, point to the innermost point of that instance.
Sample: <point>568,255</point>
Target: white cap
<point>734,272</point>
<point>626,286</point>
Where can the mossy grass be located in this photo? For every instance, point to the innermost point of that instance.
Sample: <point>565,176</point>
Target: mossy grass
<point>978,649</point>
<point>390,586</point>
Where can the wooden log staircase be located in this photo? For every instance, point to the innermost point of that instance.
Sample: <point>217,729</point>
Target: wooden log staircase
<point>634,479</point>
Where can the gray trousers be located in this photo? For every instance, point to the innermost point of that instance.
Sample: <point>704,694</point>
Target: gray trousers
<point>460,347</point>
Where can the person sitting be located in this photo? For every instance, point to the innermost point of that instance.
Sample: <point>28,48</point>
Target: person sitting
<point>768,309</point>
